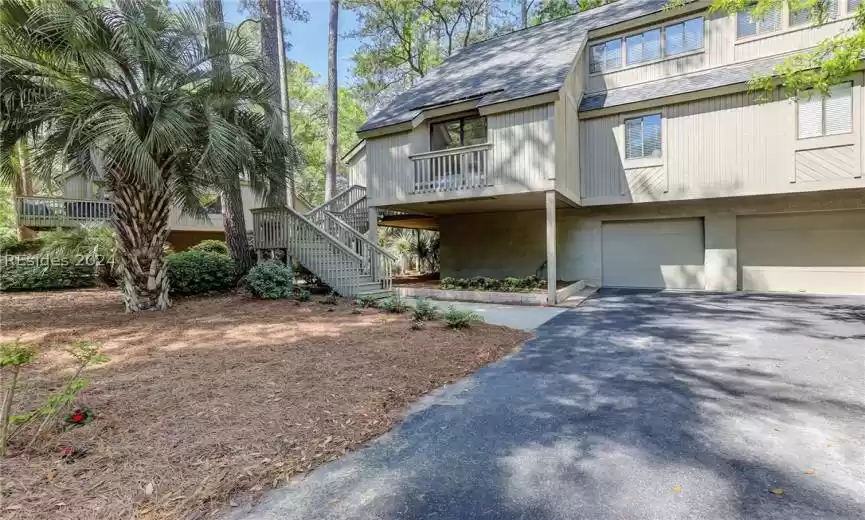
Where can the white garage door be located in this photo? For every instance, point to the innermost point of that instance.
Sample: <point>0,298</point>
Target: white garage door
<point>803,252</point>
<point>653,254</point>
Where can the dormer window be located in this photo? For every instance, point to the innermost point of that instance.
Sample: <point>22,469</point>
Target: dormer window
<point>464,131</point>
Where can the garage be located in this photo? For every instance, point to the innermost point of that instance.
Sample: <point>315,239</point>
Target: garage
<point>664,254</point>
<point>820,253</point>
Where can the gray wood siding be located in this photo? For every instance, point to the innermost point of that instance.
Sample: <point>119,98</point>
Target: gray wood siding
<point>357,169</point>
<point>568,133</point>
<point>719,147</point>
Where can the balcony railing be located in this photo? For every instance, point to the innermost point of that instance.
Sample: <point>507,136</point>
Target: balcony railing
<point>461,168</point>
<point>52,212</point>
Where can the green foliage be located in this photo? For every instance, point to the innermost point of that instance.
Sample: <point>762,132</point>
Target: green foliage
<point>424,310</point>
<point>394,304</point>
<point>457,319</point>
<point>302,295</point>
<point>212,246</point>
<point>271,280</point>
<point>16,354</point>
<point>10,245</point>
<point>199,272</point>
<point>40,273</point>
<point>366,301</point>
<point>94,246</point>
<point>482,283</point>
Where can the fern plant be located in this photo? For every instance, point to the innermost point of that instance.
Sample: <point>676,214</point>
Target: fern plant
<point>459,319</point>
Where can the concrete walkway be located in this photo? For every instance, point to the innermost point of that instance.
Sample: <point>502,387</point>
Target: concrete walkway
<point>632,406</point>
<point>523,317</point>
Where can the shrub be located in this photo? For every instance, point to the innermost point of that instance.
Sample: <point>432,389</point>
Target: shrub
<point>10,245</point>
<point>393,304</point>
<point>212,246</point>
<point>95,246</point>
<point>38,273</point>
<point>483,283</point>
<point>302,295</point>
<point>200,272</point>
<point>425,311</point>
<point>416,324</point>
<point>457,319</point>
<point>271,280</point>
<point>366,301</point>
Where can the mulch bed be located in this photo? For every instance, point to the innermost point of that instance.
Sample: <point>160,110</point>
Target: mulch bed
<point>211,402</point>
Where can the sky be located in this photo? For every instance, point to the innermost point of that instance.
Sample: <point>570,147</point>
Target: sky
<point>309,40</point>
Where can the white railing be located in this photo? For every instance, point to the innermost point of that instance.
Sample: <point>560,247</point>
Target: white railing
<point>355,215</point>
<point>53,211</point>
<point>454,169</point>
<point>377,263</point>
<point>341,200</point>
<point>283,228</point>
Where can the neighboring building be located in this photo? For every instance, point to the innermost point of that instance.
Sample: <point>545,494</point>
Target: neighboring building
<point>621,146</point>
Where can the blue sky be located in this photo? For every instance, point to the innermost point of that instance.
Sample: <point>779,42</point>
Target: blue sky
<point>309,40</point>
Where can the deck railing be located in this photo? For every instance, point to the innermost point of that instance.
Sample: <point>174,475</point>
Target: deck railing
<point>454,169</point>
<point>53,211</point>
<point>355,215</point>
<point>283,228</point>
<point>377,263</point>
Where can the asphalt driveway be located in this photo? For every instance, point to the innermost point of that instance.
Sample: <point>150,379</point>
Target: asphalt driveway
<point>648,405</point>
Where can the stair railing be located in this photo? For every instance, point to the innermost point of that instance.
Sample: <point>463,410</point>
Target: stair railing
<point>377,263</point>
<point>341,200</point>
<point>330,259</point>
<point>355,215</point>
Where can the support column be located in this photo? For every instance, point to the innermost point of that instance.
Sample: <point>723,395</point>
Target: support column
<point>721,255</point>
<point>372,235</point>
<point>551,247</point>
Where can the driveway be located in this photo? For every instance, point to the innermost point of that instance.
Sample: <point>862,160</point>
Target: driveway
<point>635,405</point>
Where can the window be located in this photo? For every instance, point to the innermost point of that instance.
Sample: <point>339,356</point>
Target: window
<point>826,115</point>
<point>643,137</point>
<point>643,47</point>
<point>465,131</point>
<point>605,56</point>
<point>746,25</point>
<point>683,37</point>
<point>806,16</point>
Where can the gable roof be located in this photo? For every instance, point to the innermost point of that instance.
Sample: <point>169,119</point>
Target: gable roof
<point>520,64</point>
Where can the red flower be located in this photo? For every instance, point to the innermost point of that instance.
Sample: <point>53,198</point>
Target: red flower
<point>78,417</point>
<point>67,451</point>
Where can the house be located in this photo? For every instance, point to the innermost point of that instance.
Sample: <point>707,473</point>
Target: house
<point>622,146</point>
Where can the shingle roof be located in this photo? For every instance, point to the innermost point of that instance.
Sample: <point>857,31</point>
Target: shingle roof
<point>512,66</point>
<point>694,82</point>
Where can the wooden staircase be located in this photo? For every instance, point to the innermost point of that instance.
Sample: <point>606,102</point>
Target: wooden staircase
<point>330,242</point>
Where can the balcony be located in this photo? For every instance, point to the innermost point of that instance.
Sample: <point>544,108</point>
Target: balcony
<point>42,212</point>
<point>52,212</point>
<point>463,168</point>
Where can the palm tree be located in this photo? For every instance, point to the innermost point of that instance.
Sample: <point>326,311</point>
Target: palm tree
<point>127,92</point>
<point>332,97</point>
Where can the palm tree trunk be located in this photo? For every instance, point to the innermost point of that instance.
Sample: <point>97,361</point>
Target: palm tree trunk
<point>141,223</point>
<point>273,48</point>
<point>332,95</point>
<point>234,221</point>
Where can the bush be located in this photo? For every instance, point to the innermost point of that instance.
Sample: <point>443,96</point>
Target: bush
<point>271,280</point>
<point>482,283</point>
<point>96,246</point>
<point>39,273</point>
<point>10,245</point>
<point>302,295</point>
<point>200,272</point>
<point>457,319</point>
<point>211,246</point>
<point>393,304</point>
<point>366,301</point>
<point>425,311</point>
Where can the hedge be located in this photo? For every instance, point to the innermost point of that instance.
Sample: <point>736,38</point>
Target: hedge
<point>41,273</point>
<point>483,283</point>
<point>200,272</point>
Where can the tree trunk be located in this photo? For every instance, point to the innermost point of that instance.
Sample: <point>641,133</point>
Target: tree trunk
<point>284,101</point>
<point>234,221</point>
<point>332,99</point>
<point>524,13</point>
<point>271,42</point>
<point>141,223</point>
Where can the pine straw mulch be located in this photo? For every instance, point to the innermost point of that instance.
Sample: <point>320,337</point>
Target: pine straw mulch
<point>213,401</point>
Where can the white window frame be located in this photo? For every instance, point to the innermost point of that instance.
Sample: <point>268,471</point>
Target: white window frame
<point>642,162</point>
<point>642,36</point>
<point>603,65</point>
<point>823,134</point>
<point>758,25</point>
<point>664,51</point>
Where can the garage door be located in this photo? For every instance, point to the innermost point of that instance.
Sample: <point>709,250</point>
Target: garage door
<point>803,252</point>
<point>653,254</point>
